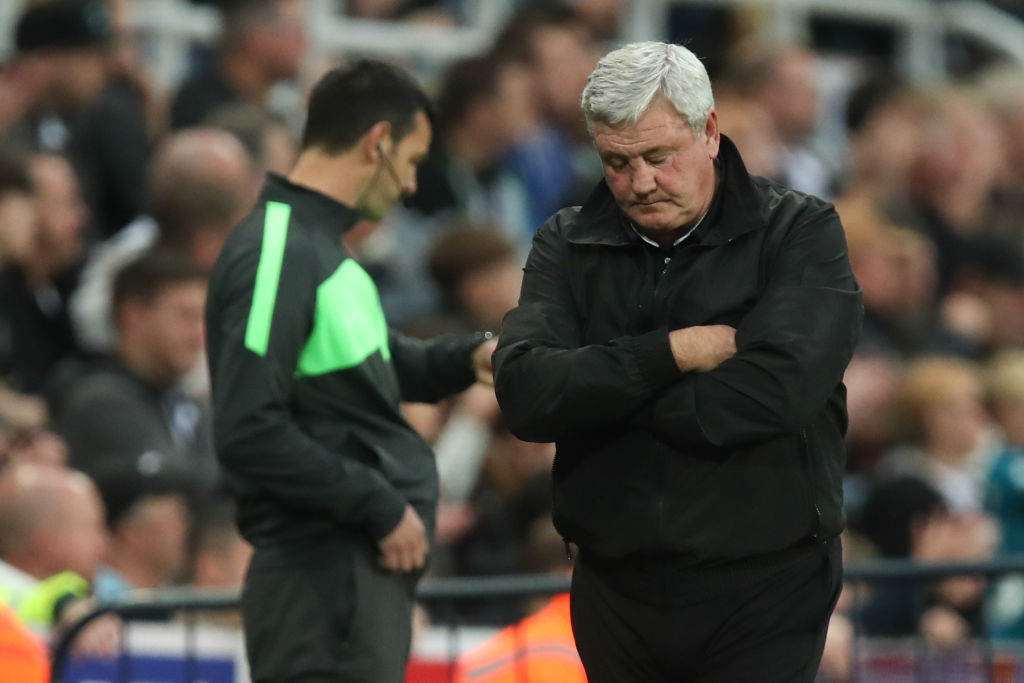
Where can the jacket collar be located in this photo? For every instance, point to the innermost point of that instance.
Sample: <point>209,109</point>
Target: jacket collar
<point>316,208</point>
<point>734,210</point>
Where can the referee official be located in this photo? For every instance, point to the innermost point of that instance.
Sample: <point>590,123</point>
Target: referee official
<point>336,491</point>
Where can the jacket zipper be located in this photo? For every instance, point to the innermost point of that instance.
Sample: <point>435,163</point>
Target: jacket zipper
<point>814,485</point>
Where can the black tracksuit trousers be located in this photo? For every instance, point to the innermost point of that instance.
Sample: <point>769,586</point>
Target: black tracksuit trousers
<point>326,613</point>
<point>762,621</point>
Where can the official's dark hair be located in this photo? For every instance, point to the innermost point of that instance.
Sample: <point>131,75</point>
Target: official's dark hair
<point>348,101</point>
<point>148,275</point>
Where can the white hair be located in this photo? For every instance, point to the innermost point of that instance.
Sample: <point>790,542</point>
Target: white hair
<point>626,81</point>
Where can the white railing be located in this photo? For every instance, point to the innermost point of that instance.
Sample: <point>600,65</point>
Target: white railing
<point>170,27</point>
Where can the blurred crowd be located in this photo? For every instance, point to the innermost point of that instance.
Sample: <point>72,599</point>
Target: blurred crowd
<point>115,198</point>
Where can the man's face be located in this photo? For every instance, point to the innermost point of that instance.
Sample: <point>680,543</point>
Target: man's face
<point>173,326</point>
<point>159,532</point>
<point>281,42</point>
<point>391,184</point>
<point>80,76</point>
<point>62,213</point>
<point>661,174</point>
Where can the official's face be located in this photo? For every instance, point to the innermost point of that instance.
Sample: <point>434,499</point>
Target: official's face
<point>661,174</point>
<point>397,176</point>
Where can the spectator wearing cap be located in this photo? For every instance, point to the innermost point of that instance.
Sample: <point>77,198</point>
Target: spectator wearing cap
<point>263,42</point>
<point>128,412</point>
<point>75,107</point>
<point>148,520</point>
<point>62,61</point>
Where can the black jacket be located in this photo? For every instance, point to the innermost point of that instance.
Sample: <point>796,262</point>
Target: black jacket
<point>704,467</point>
<point>307,379</point>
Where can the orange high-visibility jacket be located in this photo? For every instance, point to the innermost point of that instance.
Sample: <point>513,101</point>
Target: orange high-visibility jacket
<point>22,656</point>
<point>538,649</point>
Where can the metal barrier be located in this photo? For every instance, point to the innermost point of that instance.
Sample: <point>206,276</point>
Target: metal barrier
<point>161,604</point>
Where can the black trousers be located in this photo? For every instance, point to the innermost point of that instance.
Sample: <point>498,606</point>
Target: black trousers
<point>763,622</point>
<point>326,613</point>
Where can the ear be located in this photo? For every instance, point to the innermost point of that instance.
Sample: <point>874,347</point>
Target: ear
<point>712,134</point>
<point>377,140</point>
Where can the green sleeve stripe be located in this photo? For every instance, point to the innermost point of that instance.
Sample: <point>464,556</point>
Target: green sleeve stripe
<point>268,273</point>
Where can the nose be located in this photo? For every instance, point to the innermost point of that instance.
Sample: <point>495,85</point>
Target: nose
<point>642,180</point>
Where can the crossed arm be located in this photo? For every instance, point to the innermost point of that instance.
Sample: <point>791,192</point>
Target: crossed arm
<point>706,384</point>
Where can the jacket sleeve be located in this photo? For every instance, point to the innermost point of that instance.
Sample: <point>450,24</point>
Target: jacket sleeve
<point>549,384</point>
<point>792,348</point>
<point>429,370</point>
<point>260,446</point>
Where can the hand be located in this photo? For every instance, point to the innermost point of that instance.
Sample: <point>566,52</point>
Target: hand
<point>480,403</point>
<point>943,628</point>
<point>101,638</point>
<point>482,362</point>
<point>405,548</point>
<point>703,347</point>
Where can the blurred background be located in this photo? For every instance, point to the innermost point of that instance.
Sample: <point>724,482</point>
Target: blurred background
<point>134,134</point>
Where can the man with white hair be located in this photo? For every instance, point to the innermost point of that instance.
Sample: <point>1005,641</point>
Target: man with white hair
<point>682,336</point>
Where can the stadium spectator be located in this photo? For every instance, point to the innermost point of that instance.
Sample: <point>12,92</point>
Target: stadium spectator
<point>485,107</point>
<point>539,648</point>
<point>1004,485</point>
<point>883,123</point>
<point>336,491</point>
<point>782,79</point>
<point>555,162</point>
<point>81,107</point>
<point>263,134</point>
<point>200,185</point>
<point>907,518</point>
<point>477,270</point>
<point>148,518</point>
<point>951,444</point>
<point>22,654</point>
<point>953,178</point>
<point>219,555</point>
<point>262,42</point>
<point>52,540</point>
<point>748,125</point>
<point>34,292</point>
<point>60,67</point>
<point>158,308</point>
<point>663,436</point>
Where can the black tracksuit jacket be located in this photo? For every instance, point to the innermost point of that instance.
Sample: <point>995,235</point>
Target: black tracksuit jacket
<point>307,379</point>
<point>708,467</point>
